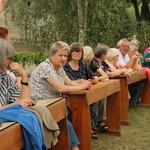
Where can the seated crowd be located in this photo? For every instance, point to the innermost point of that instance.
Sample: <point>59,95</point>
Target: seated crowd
<point>69,68</point>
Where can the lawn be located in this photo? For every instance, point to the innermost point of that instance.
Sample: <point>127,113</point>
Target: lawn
<point>133,137</point>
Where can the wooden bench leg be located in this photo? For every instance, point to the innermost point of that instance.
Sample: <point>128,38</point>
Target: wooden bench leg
<point>113,114</point>
<point>63,142</point>
<point>81,120</point>
<point>124,102</point>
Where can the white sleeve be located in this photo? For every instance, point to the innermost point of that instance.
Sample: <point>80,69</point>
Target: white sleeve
<point>123,61</point>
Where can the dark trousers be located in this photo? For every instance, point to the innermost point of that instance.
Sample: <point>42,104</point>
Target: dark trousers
<point>135,90</point>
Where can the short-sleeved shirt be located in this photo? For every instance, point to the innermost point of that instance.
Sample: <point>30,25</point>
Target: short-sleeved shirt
<point>40,87</point>
<point>83,72</point>
<point>123,59</point>
<point>103,65</point>
<point>9,91</point>
<point>94,66</point>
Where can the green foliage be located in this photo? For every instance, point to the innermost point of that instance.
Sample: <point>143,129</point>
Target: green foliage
<point>28,58</point>
<point>142,33</point>
<point>46,21</point>
<point>107,23</point>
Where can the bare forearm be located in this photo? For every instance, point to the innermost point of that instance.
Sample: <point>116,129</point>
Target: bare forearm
<point>114,73</point>
<point>67,88</point>
<point>25,88</point>
<point>104,77</point>
<point>25,92</point>
<point>131,63</point>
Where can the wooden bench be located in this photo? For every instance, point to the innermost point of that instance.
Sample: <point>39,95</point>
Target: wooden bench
<point>124,82</point>
<point>11,136</point>
<point>145,100</point>
<point>79,102</point>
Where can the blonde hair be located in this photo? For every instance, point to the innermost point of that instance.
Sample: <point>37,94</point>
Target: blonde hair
<point>132,48</point>
<point>112,52</point>
<point>88,53</point>
<point>133,45</point>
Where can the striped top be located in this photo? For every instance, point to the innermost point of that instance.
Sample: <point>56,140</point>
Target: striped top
<point>9,91</point>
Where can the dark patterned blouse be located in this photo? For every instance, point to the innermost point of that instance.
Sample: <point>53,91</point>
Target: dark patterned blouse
<point>94,66</point>
<point>84,72</point>
<point>103,65</point>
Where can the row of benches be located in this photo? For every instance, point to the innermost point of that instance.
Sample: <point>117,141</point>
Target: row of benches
<point>116,91</point>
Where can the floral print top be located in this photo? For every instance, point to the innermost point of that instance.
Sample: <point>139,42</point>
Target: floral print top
<point>40,87</point>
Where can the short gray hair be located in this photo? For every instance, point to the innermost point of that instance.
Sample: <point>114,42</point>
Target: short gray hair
<point>100,49</point>
<point>112,52</point>
<point>134,42</point>
<point>59,45</point>
<point>6,51</point>
<point>120,42</point>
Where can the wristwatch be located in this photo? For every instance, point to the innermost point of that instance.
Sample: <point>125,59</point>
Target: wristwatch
<point>24,83</point>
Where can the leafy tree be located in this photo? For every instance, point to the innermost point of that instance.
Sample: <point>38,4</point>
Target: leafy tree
<point>108,22</point>
<point>88,21</point>
<point>142,24</point>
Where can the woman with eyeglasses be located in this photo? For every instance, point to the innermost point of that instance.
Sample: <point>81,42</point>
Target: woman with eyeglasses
<point>4,35</point>
<point>9,92</point>
<point>13,101</point>
<point>78,70</point>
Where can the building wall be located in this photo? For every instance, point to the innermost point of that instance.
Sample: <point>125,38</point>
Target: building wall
<point>14,32</point>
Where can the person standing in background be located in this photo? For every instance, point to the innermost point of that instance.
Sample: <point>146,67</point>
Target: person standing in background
<point>78,70</point>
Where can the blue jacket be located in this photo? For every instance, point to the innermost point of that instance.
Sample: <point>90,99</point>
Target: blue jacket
<point>33,135</point>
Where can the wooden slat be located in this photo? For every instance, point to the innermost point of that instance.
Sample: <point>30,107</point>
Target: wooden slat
<point>103,89</point>
<point>79,101</point>
<point>100,90</point>
<point>136,76</point>
<point>11,136</point>
<point>56,106</point>
<point>124,82</point>
<point>6,125</point>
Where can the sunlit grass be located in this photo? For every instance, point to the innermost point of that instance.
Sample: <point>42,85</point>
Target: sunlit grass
<point>133,137</point>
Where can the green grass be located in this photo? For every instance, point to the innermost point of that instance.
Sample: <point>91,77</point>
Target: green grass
<point>133,137</point>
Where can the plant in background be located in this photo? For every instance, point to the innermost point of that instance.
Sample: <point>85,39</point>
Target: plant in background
<point>89,21</point>
<point>29,58</point>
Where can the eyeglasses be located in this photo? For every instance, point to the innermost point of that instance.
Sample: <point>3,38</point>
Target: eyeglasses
<point>77,52</point>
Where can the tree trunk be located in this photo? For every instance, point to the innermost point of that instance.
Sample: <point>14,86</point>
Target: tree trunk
<point>145,12</point>
<point>82,19</point>
<point>137,14</point>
